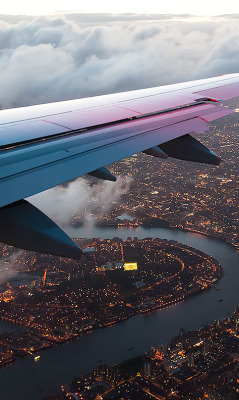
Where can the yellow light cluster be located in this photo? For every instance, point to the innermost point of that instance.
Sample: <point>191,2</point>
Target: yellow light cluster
<point>130,266</point>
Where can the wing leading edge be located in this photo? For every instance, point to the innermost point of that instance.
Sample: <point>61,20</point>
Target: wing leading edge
<point>46,145</point>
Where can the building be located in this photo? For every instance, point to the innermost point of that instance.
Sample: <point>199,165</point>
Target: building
<point>147,368</point>
<point>191,359</point>
<point>167,363</point>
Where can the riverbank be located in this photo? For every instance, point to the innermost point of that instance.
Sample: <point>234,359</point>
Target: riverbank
<point>191,357</point>
<point>18,353</point>
<point>165,265</point>
<point>150,223</point>
<point>210,236</point>
<point>139,333</point>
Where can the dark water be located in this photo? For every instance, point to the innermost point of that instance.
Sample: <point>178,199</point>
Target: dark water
<point>29,380</point>
<point>5,327</point>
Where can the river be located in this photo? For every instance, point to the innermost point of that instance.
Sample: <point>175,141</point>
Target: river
<point>30,380</point>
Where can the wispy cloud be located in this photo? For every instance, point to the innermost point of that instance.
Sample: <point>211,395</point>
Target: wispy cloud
<point>8,266</point>
<point>81,199</point>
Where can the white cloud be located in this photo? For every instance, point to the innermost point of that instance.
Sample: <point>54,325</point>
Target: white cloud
<point>81,199</point>
<point>8,266</point>
<point>48,59</point>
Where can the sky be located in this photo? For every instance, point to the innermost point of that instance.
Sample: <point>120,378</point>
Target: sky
<point>53,58</point>
<point>202,7</point>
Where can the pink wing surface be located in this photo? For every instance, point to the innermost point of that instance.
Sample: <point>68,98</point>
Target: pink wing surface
<point>45,145</point>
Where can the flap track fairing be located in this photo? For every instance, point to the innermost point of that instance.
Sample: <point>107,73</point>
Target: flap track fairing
<point>189,149</point>
<point>103,173</point>
<point>24,226</point>
<point>156,152</point>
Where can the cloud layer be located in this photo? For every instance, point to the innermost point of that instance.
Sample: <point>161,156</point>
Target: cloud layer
<point>9,265</point>
<point>48,59</point>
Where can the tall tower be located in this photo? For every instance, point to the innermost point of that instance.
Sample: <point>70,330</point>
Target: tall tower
<point>167,362</point>
<point>94,255</point>
<point>181,332</point>
<point>147,368</point>
<point>122,252</point>
<point>44,278</point>
<point>206,346</point>
<point>191,359</point>
<point>237,328</point>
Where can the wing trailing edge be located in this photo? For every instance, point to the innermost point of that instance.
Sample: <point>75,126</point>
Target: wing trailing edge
<point>46,145</point>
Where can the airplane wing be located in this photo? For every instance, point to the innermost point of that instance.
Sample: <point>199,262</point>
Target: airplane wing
<point>45,145</point>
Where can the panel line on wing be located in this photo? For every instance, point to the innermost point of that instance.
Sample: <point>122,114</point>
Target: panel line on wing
<point>55,123</point>
<point>88,128</point>
<point>69,154</point>
<point>125,108</point>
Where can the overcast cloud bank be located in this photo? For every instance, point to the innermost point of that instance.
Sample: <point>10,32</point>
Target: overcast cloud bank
<point>48,59</point>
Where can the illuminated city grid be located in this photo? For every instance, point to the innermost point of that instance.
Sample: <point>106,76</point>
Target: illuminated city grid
<point>63,299</point>
<point>195,365</point>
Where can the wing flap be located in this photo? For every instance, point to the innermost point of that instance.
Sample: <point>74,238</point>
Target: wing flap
<point>221,112</point>
<point>222,92</point>
<point>152,104</point>
<point>97,116</point>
